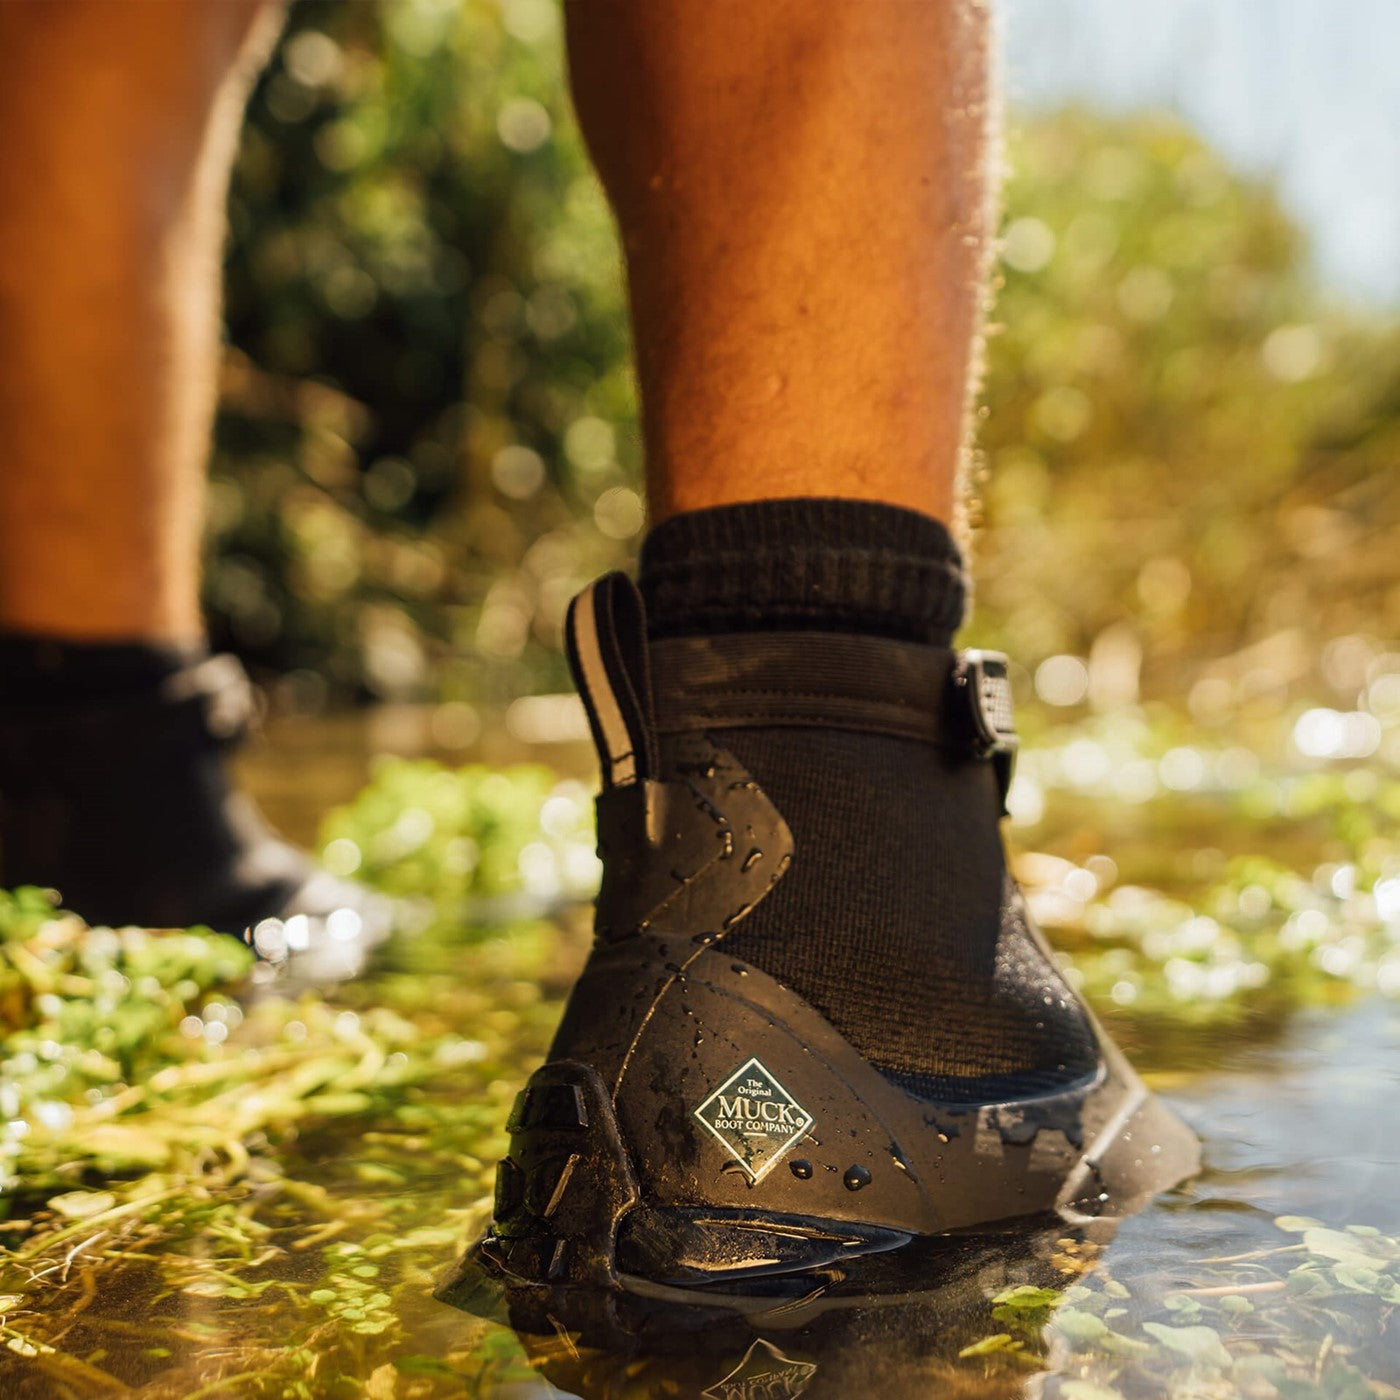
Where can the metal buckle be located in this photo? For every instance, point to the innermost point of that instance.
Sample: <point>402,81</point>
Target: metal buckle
<point>984,679</point>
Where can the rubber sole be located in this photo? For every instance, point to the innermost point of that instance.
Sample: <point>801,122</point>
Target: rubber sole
<point>895,1325</point>
<point>575,1243</point>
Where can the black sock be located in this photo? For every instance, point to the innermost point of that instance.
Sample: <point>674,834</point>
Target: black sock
<point>894,920</point>
<point>837,566</point>
<point>114,788</point>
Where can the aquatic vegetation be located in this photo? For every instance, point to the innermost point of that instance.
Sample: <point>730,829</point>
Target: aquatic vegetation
<point>154,1093</point>
<point>1304,1320</point>
<point>1188,923</point>
<point>212,1186</point>
<point>448,836</point>
<point>189,1175</point>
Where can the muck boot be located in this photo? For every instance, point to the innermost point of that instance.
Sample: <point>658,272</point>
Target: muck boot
<point>122,804</point>
<point>905,1340</point>
<point>710,1133</point>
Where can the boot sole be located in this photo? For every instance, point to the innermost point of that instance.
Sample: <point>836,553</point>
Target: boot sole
<point>574,1240</point>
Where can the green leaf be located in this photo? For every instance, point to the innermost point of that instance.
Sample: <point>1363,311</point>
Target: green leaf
<point>1357,1277</point>
<point>1343,1247</point>
<point>1001,1342</point>
<point>1296,1224</point>
<point>1199,1345</point>
<point>1234,1303</point>
<point>1309,1281</point>
<point>79,1205</point>
<point>1080,1329</point>
<point>1026,1309</point>
<point>1028,1298</point>
<point>1185,1308</point>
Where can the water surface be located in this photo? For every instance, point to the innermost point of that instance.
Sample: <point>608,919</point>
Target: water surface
<point>309,1272</point>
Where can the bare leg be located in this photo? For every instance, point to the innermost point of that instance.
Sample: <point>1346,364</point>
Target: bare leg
<point>805,205</point>
<point>121,122</point>
<point>803,200</point>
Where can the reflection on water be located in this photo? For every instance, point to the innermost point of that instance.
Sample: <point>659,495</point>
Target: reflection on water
<point>1303,1132</point>
<point>906,1337</point>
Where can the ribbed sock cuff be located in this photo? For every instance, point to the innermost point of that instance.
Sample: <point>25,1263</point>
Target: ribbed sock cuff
<point>38,670</point>
<point>804,562</point>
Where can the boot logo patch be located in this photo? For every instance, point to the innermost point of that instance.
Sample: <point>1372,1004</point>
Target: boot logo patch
<point>764,1374</point>
<point>755,1118</point>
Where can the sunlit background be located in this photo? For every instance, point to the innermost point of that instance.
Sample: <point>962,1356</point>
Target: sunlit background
<point>428,439</point>
<point>1187,530</point>
<point>1302,92</point>
<point>1187,540</point>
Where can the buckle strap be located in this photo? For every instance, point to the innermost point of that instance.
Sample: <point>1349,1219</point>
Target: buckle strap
<point>959,701</point>
<point>982,681</point>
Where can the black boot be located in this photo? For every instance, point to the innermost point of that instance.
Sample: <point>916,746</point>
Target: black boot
<point>704,1133</point>
<point>122,803</point>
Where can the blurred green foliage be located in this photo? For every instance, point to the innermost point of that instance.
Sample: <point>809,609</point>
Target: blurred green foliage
<point>1189,448</point>
<point>425,445</point>
<point>428,437</point>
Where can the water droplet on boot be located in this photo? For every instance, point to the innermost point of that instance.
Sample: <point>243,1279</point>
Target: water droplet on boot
<point>856,1178</point>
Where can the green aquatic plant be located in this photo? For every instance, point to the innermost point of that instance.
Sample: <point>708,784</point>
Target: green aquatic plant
<point>1304,1319</point>
<point>274,1172</point>
<point>1239,888</point>
<point>154,1097</point>
<point>448,836</point>
<point>212,1187</point>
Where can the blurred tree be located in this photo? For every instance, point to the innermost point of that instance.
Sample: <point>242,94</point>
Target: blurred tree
<point>428,436</point>
<point>426,442</point>
<point>1187,446</point>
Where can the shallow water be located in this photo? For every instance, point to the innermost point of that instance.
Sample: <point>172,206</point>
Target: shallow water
<point>317,1279</point>
<point>1303,1126</point>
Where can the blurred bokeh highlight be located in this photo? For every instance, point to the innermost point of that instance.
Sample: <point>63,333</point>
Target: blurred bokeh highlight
<point>428,435</point>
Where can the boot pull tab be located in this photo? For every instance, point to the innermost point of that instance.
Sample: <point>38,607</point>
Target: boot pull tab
<point>606,640</point>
